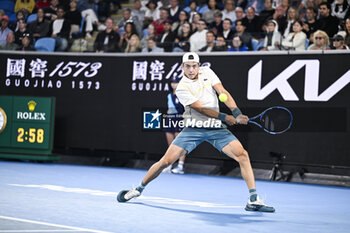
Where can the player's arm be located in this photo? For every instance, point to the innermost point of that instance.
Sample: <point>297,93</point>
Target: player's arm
<point>230,120</point>
<point>231,104</point>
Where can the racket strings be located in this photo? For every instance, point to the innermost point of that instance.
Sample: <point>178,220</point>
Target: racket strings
<point>276,120</point>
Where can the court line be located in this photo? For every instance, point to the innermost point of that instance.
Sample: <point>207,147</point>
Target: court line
<point>160,200</point>
<point>10,231</point>
<point>52,224</point>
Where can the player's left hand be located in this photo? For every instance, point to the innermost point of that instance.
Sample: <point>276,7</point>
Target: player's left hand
<point>242,119</point>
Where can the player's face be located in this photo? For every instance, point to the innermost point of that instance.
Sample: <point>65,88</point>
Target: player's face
<point>190,69</point>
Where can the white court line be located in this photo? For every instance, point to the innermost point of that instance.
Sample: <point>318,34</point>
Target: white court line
<point>10,231</point>
<point>160,200</point>
<point>51,224</point>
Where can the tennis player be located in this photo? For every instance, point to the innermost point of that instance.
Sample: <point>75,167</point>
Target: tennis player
<point>197,92</point>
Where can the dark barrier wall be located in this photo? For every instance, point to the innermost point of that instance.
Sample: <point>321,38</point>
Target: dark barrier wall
<point>100,99</point>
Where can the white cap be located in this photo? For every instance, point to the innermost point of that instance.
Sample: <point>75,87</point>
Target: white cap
<point>190,57</point>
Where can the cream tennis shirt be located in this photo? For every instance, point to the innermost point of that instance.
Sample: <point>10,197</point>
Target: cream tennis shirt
<point>189,91</point>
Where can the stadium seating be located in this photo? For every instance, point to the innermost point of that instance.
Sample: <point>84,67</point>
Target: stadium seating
<point>32,18</point>
<point>45,44</point>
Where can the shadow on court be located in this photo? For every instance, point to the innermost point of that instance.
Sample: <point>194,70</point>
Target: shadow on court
<point>213,218</point>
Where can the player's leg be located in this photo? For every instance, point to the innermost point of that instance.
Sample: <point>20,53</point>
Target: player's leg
<point>179,169</point>
<point>170,136</point>
<point>171,155</point>
<point>236,151</point>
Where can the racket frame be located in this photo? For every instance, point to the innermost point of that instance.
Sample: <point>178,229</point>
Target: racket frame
<point>259,116</point>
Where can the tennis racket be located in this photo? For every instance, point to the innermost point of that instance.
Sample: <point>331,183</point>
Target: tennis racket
<point>274,120</point>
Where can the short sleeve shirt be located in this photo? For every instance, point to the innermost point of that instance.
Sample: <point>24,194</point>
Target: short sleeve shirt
<point>189,91</point>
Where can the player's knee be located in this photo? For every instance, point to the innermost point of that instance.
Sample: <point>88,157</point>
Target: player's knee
<point>164,163</point>
<point>242,156</point>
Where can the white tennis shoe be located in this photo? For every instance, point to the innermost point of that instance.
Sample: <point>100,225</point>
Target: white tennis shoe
<point>178,170</point>
<point>126,195</point>
<point>258,206</point>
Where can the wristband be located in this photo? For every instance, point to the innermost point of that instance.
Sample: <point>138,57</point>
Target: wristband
<point>236,112</point>
<point>222,116</point>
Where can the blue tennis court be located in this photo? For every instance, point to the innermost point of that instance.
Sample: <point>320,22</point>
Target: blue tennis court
<point>69,198</point>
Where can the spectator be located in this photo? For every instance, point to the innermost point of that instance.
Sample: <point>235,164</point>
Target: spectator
<point>152,48</point>
<point>280,18</point>
<point>228,33</point>
<point>86,7</point>
<point>60,30</point>
<point>208,15</point>
<point>159,23</point>
<point>244,36</point>
<point>191,10</point>
<point>27,6</point>
<point>41,4</point>
<point>347,31</point>
<point>292,16</point>
<point>137,12</point>
<point>133,45</point>
<point>252,23</point>
<point>177,26</point>
<point>14,25</point>
<point>127,17</point>
<point>237,45</point>
<point>4,30</point>
<point>340,9</point>
<point>210,38</point>
<point>22,30</point>
<point>151,31</point>
<point>51,11</point>
<point>273,37</point>
<point>107,41</point>
<point>183,40</point>
<point>74,16</point>
<point>26,43</point>
<point>328,23</point>
<point>167,38</point>
<point>220,44</point>
<point>321,41</point>
<point>174,11</point>
<point>195,21</point>
<point>239,13</point>
<point>198,39</point>
<point>152,13</point>
<point>10,43</point>
<point>129,30</point>
<point>338,43</point>
<point>40,27</point>
<point>295,40</point>
<point>216,26</point>
<point>311,24</point>
<point>229,11</point>
<point>266,14</point>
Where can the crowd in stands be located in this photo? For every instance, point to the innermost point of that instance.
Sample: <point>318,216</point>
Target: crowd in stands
<point>178,26</point>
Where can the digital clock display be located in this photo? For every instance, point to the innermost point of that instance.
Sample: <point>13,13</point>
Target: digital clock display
<point>27,134</point>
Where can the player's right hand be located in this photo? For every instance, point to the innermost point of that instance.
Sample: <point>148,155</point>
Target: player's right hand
<point>230,120</point>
